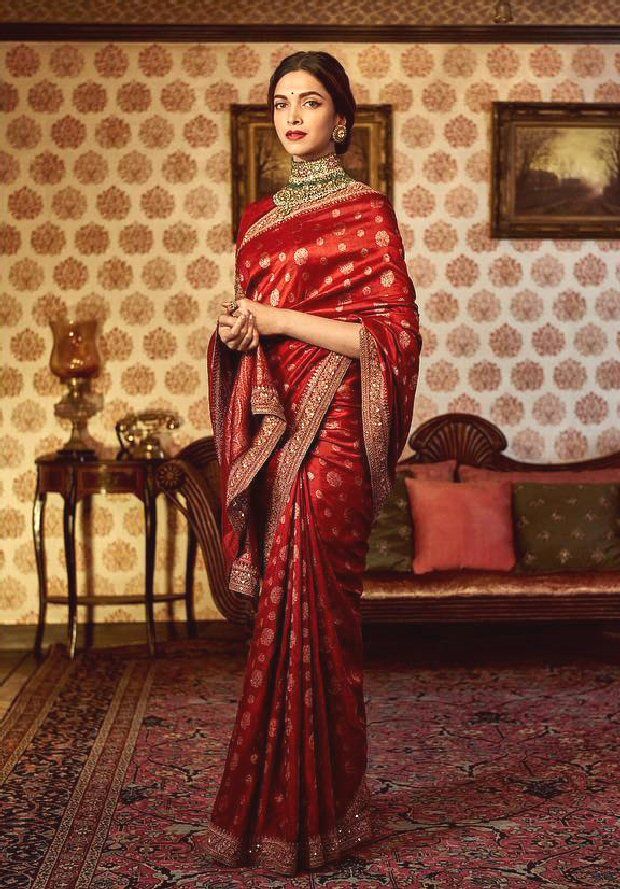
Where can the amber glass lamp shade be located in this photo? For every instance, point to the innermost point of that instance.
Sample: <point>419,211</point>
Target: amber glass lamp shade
<point>75,352</point>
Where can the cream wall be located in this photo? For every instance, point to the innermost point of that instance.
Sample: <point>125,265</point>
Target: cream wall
<point>116,198</point>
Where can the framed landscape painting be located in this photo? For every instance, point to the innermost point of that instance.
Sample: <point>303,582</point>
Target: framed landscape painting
<point>555,170</point>
<point>261,166</point>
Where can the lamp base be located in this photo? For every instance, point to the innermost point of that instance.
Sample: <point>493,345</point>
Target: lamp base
<point>78,405</point>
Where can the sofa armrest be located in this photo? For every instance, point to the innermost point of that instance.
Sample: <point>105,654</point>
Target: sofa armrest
<point>191,482</point>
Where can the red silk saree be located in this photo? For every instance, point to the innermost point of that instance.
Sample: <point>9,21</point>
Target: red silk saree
<point>307,441</point>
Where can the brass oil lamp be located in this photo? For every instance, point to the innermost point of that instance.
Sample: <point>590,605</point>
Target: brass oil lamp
<point>76,360</point>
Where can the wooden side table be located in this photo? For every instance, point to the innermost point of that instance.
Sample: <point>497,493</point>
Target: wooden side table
<point>77,480</point>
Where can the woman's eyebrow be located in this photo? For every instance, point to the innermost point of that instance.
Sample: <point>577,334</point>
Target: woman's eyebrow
<point>301,95</point>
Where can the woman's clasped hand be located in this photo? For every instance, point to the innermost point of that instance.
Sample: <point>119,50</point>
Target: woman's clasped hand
<point>238,331</point>
<point>241,330</point>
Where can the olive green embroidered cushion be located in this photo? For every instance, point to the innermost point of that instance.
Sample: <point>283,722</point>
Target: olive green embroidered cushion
<point>390,546</point>
<point>566,527</point>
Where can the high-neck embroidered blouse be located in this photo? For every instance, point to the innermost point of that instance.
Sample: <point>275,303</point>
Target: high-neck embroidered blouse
<point>311,180</point>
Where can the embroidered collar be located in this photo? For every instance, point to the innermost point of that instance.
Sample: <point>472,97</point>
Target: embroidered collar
<point>311,180</point>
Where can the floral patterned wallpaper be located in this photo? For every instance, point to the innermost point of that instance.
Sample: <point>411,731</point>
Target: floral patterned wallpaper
<point>116,200</point>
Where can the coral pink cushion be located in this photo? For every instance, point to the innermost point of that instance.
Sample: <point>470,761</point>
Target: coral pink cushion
<point>461,526</point>
<point>440,470</point>
<point>562,476</point>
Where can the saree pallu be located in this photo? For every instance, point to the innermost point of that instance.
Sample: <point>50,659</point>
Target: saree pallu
<point>307,441</point>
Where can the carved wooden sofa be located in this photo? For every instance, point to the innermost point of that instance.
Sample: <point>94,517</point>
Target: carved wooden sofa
<point>191,481</point>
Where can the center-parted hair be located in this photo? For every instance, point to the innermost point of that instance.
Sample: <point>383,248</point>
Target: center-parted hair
<point>329,71</point>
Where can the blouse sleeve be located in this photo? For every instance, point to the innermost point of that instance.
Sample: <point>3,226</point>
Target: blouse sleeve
<point>390,345</point>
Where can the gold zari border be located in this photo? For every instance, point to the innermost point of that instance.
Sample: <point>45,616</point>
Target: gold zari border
<point>287,858</point>
<point>375,417</point>
<point>314,402</point>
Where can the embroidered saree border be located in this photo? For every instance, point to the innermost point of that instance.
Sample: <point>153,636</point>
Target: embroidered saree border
<point>273,217</point>
<point>244,576</point>
<point>284,857</point>
<point>375,417</point>
<point>245,467</point>
<point>216,387</point>
<point>314,402</point>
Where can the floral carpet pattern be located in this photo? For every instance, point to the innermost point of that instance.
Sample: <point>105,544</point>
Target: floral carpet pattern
<point>481,777</point>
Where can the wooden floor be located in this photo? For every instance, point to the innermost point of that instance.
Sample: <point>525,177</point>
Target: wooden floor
<point>17,662</point>
<point>429,645</point>
<point>15,668</point>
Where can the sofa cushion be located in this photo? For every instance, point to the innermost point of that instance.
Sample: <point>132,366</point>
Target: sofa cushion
<point>390,546</point>
<point>566,527</point>
<point>461,526</point>
<point>439,470</point>
<point>467,473</point>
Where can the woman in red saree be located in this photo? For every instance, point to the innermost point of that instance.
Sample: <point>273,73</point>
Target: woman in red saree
<point>312,378</point>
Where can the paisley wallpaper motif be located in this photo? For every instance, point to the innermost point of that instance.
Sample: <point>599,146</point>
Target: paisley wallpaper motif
<point>114,166</point>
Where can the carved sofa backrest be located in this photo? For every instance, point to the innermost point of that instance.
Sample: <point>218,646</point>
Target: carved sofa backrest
<point>478,442</point>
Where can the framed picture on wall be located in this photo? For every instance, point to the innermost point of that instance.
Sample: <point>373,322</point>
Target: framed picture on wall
<point>555,170</point>
<point>261,166</point>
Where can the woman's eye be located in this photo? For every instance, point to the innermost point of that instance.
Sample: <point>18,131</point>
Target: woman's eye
<point>309,102</point>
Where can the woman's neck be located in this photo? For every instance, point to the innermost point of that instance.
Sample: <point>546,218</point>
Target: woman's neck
<point>317,157</point>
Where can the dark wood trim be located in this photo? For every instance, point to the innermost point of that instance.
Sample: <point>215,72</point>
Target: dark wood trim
<point>482,608</point>
<point>258,33</point>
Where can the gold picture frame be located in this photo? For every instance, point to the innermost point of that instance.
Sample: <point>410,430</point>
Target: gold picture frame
<point>555,170</point>
<point>260,165</point>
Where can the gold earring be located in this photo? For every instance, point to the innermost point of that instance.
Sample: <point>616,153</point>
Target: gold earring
<point>339,132</point>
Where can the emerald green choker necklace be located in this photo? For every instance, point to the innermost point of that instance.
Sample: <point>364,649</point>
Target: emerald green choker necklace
<point>311,180</point>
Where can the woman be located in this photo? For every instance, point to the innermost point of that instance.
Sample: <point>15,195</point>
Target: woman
<point>312,375</point>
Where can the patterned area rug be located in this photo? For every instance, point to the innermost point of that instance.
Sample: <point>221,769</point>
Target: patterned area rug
<point>482,776</point>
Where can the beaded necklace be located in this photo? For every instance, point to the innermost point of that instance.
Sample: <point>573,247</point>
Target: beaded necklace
<point>310,180</point>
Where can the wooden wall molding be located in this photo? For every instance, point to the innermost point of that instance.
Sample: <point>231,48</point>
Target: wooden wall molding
<point>213,33</point>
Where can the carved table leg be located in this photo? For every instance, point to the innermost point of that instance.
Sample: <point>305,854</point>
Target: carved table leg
<point>150,530</point>
<point>69,537</point>
<point>38,530</point>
